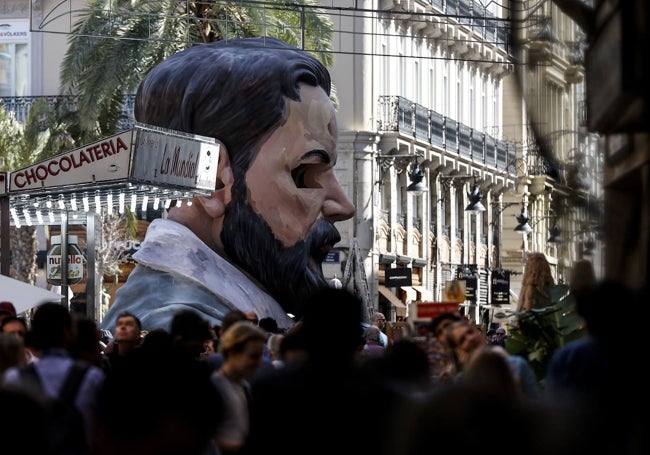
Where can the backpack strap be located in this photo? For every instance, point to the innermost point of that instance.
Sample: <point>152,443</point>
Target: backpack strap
<point>71,384</point>
<point>73,380</point>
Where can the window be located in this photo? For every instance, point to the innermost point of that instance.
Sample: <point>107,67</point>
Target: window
<point>14,58</point>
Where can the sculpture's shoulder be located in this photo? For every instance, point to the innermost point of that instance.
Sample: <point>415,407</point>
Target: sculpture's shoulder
<point>154,296</point>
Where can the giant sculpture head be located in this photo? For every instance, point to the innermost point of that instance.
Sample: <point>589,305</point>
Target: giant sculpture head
<point>277,198</point>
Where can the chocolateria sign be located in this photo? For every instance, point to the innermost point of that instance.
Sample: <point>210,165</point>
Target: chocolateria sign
<point>144,154</point>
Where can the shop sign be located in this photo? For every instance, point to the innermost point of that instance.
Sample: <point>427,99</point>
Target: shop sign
<point>398,277</point>
<point>429,310</point>
<point>14,31</point>
<point>75,261</point>
<point>170,158</point>
<point>102,161</point>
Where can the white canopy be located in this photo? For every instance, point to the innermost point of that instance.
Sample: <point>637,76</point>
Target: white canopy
<point>24,296</point>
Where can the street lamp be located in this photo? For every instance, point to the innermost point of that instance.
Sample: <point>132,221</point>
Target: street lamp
<point>523,226</point>
<point>415,172</point>
<point>555,235</point>
<point>522,221</point>
<point>475,197</point>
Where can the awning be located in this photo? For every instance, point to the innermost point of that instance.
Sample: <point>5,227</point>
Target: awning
<point>411,294</point>
<point>423,293</point>
<point>400,307</point>
<point>141,167</point>
<point>25,296</point>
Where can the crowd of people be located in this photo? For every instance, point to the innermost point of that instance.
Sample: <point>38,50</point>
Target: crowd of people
<point>323,385</point>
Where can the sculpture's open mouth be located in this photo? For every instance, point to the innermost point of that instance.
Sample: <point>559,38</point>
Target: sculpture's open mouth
<point>317,256</point>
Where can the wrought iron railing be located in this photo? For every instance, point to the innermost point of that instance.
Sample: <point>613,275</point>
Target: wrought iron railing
<point>396,113</point>
<point>19,107</point>
<point>474,15</point>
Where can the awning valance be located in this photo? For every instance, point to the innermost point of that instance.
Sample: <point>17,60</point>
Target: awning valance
<point>400,307</point>
<point>423,293</point>
<point>411,293</point>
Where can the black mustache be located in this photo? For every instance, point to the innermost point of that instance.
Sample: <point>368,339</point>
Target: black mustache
<point>321,238</point>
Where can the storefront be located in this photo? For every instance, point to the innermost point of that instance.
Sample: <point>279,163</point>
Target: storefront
<point>145,167</point>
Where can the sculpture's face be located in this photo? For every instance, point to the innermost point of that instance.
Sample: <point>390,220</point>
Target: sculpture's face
<point>291,183</point>
<point>282,232</point>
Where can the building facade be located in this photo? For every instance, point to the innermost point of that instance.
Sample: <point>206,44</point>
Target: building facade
<point>476,98</point>
<point>472,96</point>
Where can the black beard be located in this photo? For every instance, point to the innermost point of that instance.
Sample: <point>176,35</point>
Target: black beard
<point>285,272</point>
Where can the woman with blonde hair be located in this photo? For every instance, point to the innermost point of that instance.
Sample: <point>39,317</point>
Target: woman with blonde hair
<point>242,347</point>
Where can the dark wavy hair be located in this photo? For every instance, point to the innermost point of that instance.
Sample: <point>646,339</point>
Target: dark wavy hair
<point>232,90</point>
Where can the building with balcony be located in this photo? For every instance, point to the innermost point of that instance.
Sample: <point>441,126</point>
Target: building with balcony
<point>441,87</point>
<point>428,88</point>
<point>562,183</point>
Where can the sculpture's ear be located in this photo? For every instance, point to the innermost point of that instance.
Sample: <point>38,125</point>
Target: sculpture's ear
<point>215,204</point>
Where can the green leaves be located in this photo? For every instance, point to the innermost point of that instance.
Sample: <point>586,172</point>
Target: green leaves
<point>540,331</point>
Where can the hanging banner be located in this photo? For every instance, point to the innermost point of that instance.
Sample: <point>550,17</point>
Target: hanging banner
<point>469,274</point>
<point>398,277</point>
<point>500,287</point>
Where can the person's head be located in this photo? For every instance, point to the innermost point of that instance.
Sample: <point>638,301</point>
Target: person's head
<point>51,327</point>
<point>7,309</point>
<point>343,339</point>
<point>439,324</point>
<point>251,316</point>
<point>14,325</point>
<point>86,344</point>
<point>189,332</point>
<point>12,352</point>
<point>293,347</point>
<point>371,335</point>
<point>500,334</point>
<point>462,339</point>
<point>487,368</point>
<point>273,343</point>
<point>128,328</point>
<point>582,277</point>
<point>537,271</point>
<point>269,325</point>
<point>242,347</point>
<point>230,318</point>
<point>537,276</point>
<point>277,196</point>
<point>210,346</point>
<point>379,320</point>
<point>595,307</point>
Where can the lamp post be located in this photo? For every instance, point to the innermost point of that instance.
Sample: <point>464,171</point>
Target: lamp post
<point>415,172</point>
<point>411,213</point>
<point>496,217</point>
<point>475,196</point>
